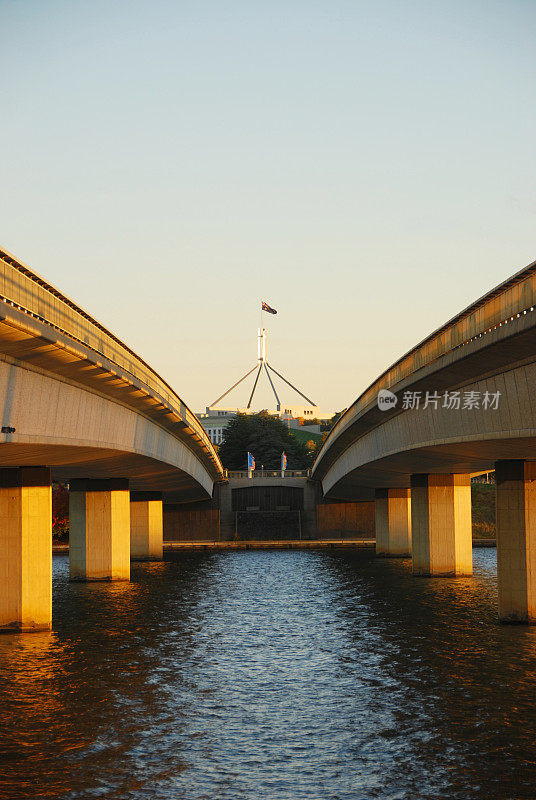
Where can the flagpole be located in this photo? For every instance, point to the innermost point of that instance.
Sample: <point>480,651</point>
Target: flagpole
<point>262,327</point>
<point>262,361</point>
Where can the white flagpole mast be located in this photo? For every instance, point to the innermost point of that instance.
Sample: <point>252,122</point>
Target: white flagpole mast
<point>261,355</point>
<point>263,334</point>
<point>262,362</point>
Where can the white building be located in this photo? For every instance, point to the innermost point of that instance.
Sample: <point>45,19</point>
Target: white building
<point>215,420</point>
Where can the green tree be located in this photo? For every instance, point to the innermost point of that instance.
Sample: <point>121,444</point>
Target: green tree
<point>483,510</point>
<point>266,437</point>
<point>335,418</point>
<point>318,445</point>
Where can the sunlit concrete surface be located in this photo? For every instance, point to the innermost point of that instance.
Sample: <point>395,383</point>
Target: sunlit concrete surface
<point>25,549</point>
<point>516,540</point>
<point>99,530</point>
<point>442,541</point>
<point>393,522</point>
<point>146,526</point>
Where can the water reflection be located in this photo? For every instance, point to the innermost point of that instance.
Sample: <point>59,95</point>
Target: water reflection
<point>271,675</point>
<point>460,686</point>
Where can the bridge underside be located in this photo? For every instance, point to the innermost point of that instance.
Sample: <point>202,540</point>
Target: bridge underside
<point>80,433</point>
<point>68,463</point>
<point>466,457</point>
<point>437,439</point>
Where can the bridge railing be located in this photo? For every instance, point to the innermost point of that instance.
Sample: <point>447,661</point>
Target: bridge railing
<point>503,304</point>
<point>26,291</point>
<point>266,473</point>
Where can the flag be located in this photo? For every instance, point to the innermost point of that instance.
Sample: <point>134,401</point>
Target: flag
<point>269,309</point>
<point>283,461</point>
<point>251,461</point>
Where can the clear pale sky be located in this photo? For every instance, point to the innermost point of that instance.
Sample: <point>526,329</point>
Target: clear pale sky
<point>366,167</point>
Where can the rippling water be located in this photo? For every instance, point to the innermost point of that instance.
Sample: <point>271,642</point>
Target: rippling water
<point>271,675</point>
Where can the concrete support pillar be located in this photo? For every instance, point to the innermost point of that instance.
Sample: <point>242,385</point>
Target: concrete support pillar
<point>99,530</point>
<point>516,540</point>
<point>393,522</point>
<point>25,549</point>
<point>442,542</point>
<point>146,526</point>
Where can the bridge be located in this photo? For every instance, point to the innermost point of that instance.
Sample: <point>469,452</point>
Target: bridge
<point>461,402</point>
<point>79,406</point>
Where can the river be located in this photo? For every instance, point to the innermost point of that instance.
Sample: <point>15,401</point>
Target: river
<point>282,675</point>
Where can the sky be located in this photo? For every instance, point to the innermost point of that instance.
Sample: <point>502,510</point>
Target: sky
<point>367,168</point>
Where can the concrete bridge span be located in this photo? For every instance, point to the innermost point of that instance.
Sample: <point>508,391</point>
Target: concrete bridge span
<point>465,403</point>
<point>77,399</point>
<point>78,405</point>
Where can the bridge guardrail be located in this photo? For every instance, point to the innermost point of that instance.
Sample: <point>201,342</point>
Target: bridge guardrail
<point>267,473</point>
<point>503,304</point>
<point>26,291</point>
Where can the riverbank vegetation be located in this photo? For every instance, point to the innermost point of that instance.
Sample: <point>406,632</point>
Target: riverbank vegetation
<point>60,513</point>
<point>483,510</point>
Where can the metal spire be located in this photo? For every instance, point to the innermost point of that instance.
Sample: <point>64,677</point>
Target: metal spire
<point>262,363</point>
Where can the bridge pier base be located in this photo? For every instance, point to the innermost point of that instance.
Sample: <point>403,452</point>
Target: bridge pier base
<point>516,540</point>
<point>441,525</point>
<point>146,526</point>
<point>393,522</point>
<point>25,549</point>
<point>99,522</point>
